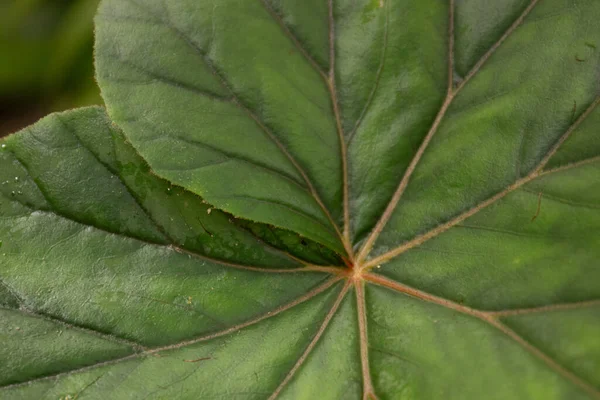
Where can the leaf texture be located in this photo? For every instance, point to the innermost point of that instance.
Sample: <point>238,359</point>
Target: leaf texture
<point>340,199</point>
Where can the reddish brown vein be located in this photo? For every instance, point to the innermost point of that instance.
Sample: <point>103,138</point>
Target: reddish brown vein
<point>312,343</point>
<point>235,328</point>
<point>490,318</point>
<point>419,240</point>
<point>450,96</point>
<point>313,293</point>
<point>419,294</point>
<point>368,389</point>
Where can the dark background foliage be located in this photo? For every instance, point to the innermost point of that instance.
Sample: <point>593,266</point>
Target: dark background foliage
<point>46,59</point>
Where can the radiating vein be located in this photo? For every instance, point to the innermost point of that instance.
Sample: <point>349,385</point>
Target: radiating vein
<point>492,319</point>
<point>514,233</point>
<point>312,343</point>
<point>153,351</point>
<point>537,172</point>
<point>368,389</point>
<point>307,268</point>
<point>450,96</point>
<point>498,43</point>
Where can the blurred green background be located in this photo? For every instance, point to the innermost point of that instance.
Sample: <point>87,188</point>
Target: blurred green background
<point>46,59</point>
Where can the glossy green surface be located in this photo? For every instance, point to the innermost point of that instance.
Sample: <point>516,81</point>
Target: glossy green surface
<point>423,177</point>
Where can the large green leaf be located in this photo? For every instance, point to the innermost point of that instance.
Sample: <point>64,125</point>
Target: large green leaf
<point>447,151</point>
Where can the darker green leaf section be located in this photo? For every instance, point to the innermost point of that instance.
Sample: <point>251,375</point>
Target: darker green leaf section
<point>293,243</point>
<point>8,298</point>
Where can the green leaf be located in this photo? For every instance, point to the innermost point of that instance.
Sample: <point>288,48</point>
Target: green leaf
<point>440,159</point>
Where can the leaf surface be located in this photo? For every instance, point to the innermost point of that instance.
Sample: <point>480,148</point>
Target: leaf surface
<point>417,183</point>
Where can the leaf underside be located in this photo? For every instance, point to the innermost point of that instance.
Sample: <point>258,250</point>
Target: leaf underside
<point>371,199</point>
